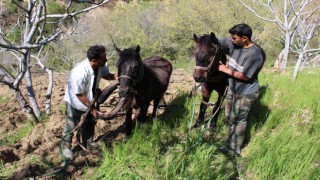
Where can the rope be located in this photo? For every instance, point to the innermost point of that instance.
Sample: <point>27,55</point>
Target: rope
<point>207,124</point>
<point>83,119</point>
<point>65,161</point>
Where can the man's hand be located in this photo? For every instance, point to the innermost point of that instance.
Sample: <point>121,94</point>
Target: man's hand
<point>115,76</point>
<point>95,113</point>
<point>222,67</point>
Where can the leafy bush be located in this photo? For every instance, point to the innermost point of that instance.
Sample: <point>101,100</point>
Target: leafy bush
<point>165,28</point>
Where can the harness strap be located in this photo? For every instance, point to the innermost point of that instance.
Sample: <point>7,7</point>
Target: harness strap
<point>125,76</point>
<point>213,58</point>
<point>201,68</point>
<point>211,62</point>
<point>140,75</point>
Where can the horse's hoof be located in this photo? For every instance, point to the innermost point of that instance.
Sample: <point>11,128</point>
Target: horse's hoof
<point>196,125</point>
<point>212,127</point>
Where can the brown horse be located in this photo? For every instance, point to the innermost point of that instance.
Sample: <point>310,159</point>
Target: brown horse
<point>140,83</point>
<point>208,54</point>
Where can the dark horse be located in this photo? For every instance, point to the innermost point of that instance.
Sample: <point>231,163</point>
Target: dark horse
<point>141,82</point>
<point>208,54</point>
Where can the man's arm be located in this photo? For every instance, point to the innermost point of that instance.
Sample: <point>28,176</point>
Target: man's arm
<point>87,103</point>
<point>233,73</point>
<point>110,77</point>
<point>83,99</point>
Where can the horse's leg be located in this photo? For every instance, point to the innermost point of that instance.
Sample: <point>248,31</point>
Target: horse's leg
<point>215,112</point>
<point>217,108</point>
<point>142,114</point>
<point>203,106</point>
<point>155,107</point>
<point>128,122</point>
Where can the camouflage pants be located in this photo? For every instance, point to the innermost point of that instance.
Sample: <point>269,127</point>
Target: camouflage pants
<point>73,117</point>
<point>237,110</point>
<point>238,106</point>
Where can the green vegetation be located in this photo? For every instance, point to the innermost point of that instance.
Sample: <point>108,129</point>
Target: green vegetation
<point>163,28</point>
<point>282,138</point>
<point>287,145</point>
<point>4,99</point>
<point>22,131</point>
<point>7,171</point>
<point>281,142</point>
<point>11,8</point>
<point>166,148</point>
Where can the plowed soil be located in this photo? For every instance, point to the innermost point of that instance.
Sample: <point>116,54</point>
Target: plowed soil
<point>36,154</point>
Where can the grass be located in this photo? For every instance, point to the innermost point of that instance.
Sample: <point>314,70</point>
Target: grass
<point>165,149</point>
<point>4,99</point>
<point>281,139</point>
<point>10,170</point>
<point>287,145</point>
<point>21,131</point>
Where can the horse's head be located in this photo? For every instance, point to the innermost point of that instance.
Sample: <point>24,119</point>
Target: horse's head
<point>208,54</point>
<point>130,69</point>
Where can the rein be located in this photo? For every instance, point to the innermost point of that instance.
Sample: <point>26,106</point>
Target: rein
<point>208,122</point>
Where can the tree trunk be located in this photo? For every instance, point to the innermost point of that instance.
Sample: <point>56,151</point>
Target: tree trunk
<point>30,90</point>
<point>49,91</point>
<point>285,52</point>
<point>296,68</point>
<point>278,61</point>
<point>8,79</point>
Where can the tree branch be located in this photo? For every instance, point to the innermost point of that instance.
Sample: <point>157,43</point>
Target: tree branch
<point>74,13</point>
<point>19,5</point>
<point>255,13</point>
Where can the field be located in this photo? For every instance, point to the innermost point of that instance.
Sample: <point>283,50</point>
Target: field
<point>29,149</point>
<point>281,139</point>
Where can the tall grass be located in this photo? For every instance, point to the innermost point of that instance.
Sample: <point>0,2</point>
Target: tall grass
<point>282,140</point>
<point>167,149</point>
<point>287,146</point>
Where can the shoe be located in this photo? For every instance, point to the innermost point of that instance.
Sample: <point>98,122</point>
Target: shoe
<point>67,153</point>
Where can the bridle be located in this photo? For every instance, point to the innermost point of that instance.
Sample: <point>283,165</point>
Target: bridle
<point>139,77</point>
<point>208,68</point>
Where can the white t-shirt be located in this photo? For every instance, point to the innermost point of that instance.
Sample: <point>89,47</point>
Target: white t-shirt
<point>81,80</point>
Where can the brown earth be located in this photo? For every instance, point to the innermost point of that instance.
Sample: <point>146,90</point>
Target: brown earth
<point>37,153</point>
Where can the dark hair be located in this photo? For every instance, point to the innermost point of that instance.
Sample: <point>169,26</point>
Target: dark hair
<point>95,51</point>
<point>241,30</point>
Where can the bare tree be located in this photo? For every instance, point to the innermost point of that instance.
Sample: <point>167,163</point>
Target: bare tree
<point>285,16</point>
<point>306,32</point>
<point>32,23</point>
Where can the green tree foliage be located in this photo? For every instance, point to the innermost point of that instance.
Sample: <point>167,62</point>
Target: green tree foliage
<point>166,28</point>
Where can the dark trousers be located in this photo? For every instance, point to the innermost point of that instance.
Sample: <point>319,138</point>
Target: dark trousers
<point>73,117</point>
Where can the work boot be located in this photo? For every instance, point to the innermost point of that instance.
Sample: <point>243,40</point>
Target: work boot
<point>67,153</point>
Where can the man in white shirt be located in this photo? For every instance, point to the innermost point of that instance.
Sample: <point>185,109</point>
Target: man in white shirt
<point>83,83</point>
